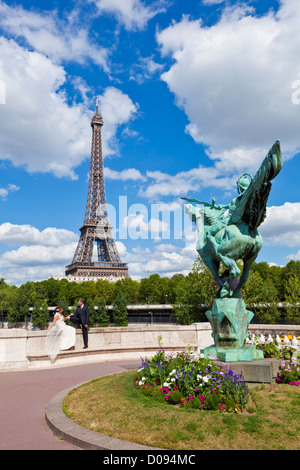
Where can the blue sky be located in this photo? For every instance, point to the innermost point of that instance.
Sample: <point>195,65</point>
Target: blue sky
<point>193,94</point>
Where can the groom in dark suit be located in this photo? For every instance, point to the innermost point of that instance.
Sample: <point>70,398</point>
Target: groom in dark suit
<point>81,318</point>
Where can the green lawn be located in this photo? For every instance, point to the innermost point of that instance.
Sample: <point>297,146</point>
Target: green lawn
<point>112,406</point>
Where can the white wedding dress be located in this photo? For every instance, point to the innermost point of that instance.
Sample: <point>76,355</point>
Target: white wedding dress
<point>60,337</point>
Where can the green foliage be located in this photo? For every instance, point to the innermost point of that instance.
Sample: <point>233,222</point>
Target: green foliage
<point>101,314</point>
<point>154,290</point>
<point>17,305</point>
<point>120,310</point>
<point>212,400</point>
<point>190,295</point>
<point>129,288</point>
<point>175,397</point>
<point>64,304</point>
<point>262,297</point>
<point>192,292</point>
<point>91,304</point>
<point>292,298</point>
<point>40,314</point>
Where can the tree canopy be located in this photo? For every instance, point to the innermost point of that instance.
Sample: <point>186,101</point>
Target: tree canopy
<point>267,286</point>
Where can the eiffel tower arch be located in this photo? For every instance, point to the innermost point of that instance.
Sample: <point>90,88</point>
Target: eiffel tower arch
<point>96,229</point>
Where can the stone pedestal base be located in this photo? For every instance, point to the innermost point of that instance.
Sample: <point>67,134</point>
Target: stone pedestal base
<point>229,321</point>
<point>247,353</point>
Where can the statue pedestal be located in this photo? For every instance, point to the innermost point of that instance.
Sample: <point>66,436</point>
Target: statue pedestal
<point>247,353</point>
<point>229,320</point>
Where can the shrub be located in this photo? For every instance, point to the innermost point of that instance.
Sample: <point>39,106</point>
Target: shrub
<point>175,397</point>
<point>193,403</point>
<point>212,400</point>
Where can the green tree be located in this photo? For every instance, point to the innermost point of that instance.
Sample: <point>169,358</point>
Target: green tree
<point>120,310</point>
<point>193,294</point>
<point>102,314</point>
<point>91,304</point>
<point>261,297</point>
<point>51,288</point>
<point>19,301</point>
<point>40,313</point>
<point>128,287</point>
<point>105,289</point>
<point>292,299</point>
<point>64,304</point>
<point>153,290</point>
<point>13,307</point>
<point>252,288</point>
<point>6,294</point>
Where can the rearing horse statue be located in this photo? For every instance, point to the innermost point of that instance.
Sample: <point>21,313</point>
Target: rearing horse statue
<point>228,233</point>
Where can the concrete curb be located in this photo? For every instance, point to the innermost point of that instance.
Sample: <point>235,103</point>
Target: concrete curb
<point>64,428</point>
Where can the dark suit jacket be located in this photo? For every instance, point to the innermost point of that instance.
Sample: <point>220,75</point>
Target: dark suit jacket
<point>83,314</point>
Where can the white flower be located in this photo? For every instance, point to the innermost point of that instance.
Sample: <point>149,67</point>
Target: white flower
<point>205,379</point>
<point>199,377</point>
<point>173,380</point>
<point>166,384</point>
<point>201,356</point>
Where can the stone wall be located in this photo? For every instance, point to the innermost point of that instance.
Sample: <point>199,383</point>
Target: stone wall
<point>23,349</point>
<point>20,348</point>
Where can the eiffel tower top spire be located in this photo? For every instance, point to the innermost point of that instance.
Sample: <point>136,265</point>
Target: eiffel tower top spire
<point>97,119</point>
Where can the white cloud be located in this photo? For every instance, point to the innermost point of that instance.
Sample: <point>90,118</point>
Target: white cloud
<point>138,227</point>
<point>10,188</point>
<point>183,182</point>
<point>234,82</point>
<point>282,225</point>
<point>132,14</point>
<point>16,276</point>
<point>294,256</point>
<point>11,234</point>
<point>124,175</point>
<point>60,40</point>
<point>39,129</point>
<point>116,109</point>
<point>164,259</point>
<point>38,254</point>
<point>212,2</point>
<point>144,69</point>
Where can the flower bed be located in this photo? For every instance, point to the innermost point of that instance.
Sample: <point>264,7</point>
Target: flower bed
<point>191,381</point>
<point>290,372</point>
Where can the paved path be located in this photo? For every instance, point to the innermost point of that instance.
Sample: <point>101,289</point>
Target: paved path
<point>25,394</point>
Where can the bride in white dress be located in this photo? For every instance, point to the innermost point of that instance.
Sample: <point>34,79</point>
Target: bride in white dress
<point>60,336</point>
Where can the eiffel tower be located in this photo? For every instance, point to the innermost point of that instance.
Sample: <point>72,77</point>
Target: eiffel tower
<point>96,228</point>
